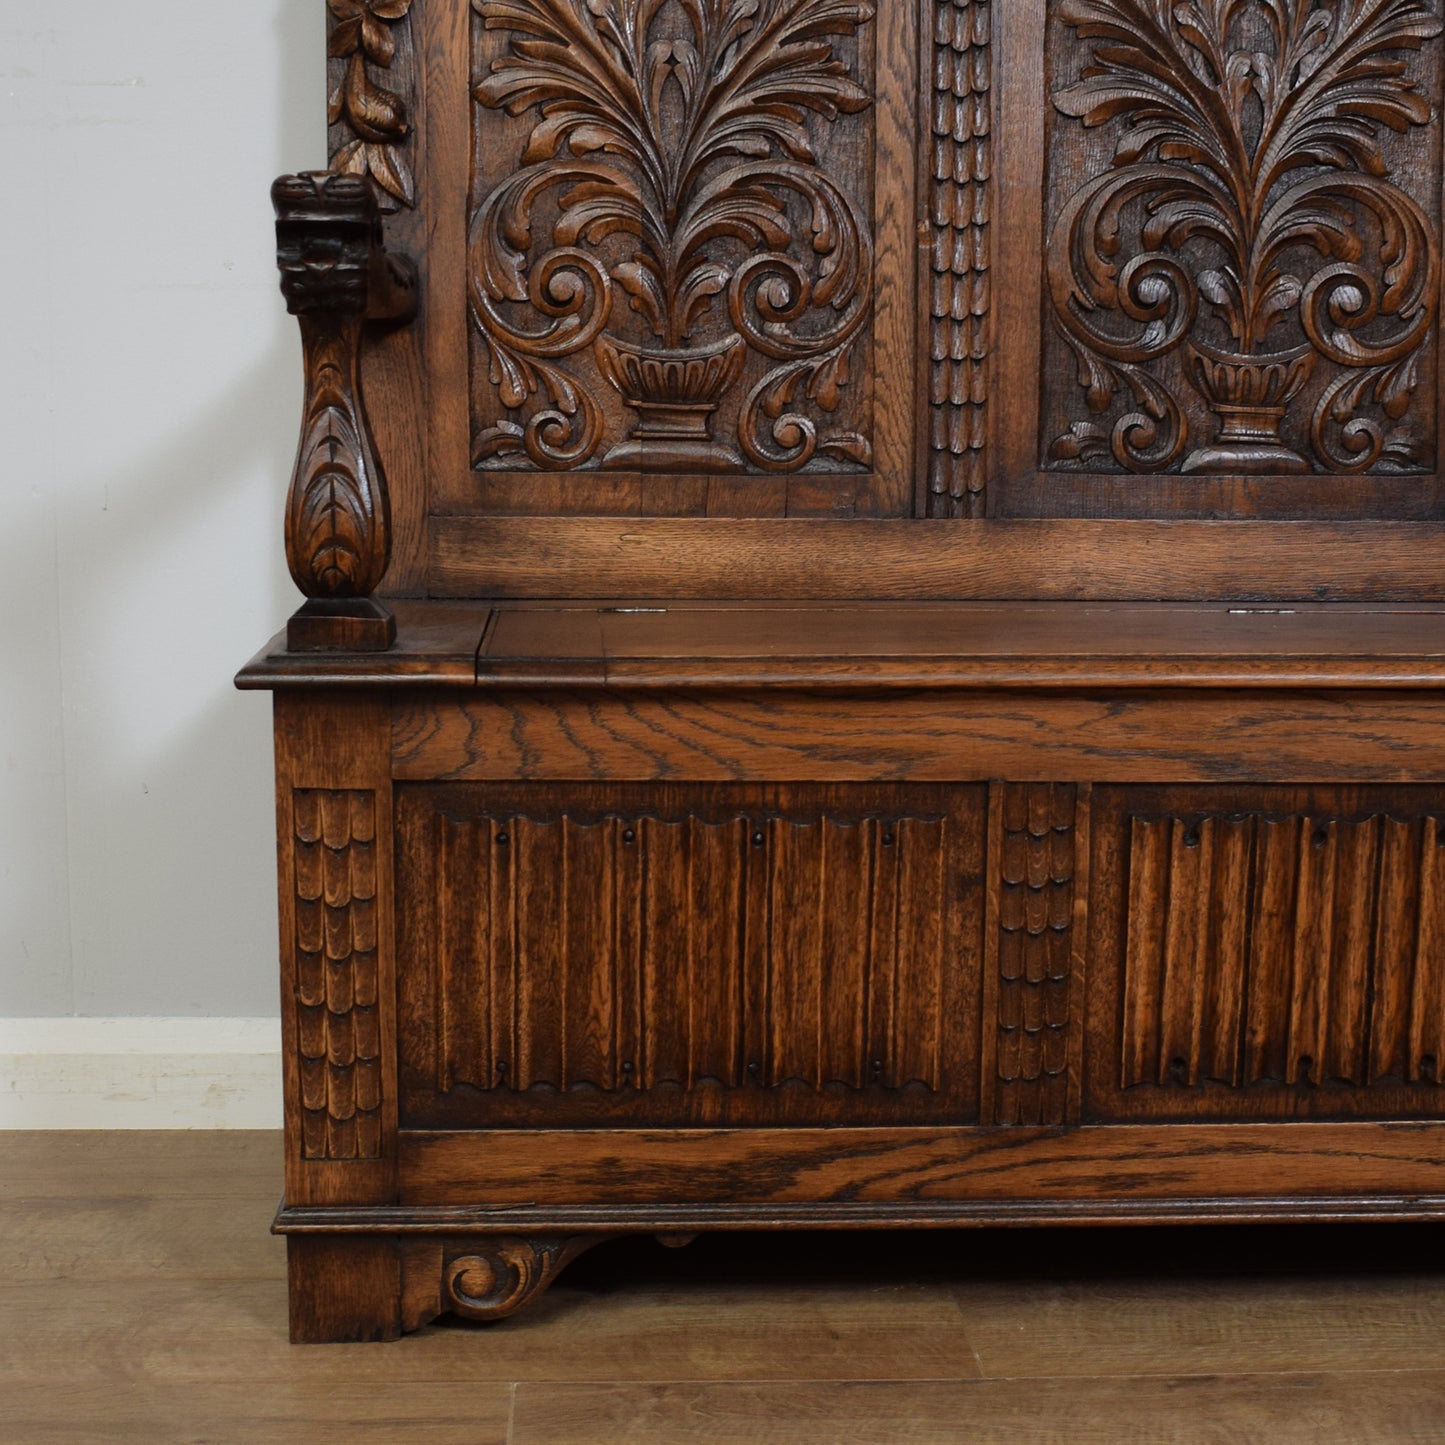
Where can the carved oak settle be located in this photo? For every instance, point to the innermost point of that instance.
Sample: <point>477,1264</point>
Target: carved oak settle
<point>893,672</point>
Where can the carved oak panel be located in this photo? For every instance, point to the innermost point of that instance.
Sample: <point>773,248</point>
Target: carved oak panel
<point>718,953</point>
<point>671,263</point>
<point>1242,237</point>
<point>372,77</point>
<point>1279,958</point>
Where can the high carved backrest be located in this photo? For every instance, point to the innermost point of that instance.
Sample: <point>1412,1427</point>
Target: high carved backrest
<point>910,298</point>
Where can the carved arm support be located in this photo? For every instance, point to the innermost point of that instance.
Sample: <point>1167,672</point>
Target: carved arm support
<point>336,276</point>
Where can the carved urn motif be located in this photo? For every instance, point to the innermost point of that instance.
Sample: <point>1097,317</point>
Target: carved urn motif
<point>672,220</point>
<point>1249,262</point>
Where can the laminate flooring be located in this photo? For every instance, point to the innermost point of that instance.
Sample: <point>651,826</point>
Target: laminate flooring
<point>142,1298</point>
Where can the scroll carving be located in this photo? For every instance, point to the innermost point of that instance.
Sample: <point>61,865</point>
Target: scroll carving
<point>960,206</point>
<point>335,275</point>
<point>1036,863</point>
<point>497,1277</point>
<point>338,1029</point>
<point>668,276</point>
<point>371,121</point>
<point>1295,950</point>
<point>1249,284</point>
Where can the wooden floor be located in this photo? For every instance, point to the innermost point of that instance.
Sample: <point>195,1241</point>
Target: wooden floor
<point>143,1299</point>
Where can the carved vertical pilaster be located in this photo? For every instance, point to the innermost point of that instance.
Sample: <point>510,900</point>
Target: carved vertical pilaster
<point>338,1031</point>
<point>1037,881</point>
<point>960,200</point>
<point>373,75</point>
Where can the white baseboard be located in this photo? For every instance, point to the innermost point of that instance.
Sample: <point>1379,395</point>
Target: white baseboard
<point>140,1073</point>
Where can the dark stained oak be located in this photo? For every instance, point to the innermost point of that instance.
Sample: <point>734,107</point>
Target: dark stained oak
<point>872,649</point>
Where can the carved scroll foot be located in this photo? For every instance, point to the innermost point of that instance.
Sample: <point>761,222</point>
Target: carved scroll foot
<point>486,1278</point>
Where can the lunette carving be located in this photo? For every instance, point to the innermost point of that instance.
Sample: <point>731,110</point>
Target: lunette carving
<point>335,275</point>
<point>1250,286</point>
<point>960,204</point>
<point>669,218</point>
<point>338,1028</point>
<point>1035,951</point>
<point>371,121</point>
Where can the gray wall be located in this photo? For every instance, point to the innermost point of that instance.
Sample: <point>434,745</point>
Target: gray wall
<point>149,403</point>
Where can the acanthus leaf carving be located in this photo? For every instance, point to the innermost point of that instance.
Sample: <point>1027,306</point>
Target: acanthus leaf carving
<point>671,217</point>
<point>1252,263</point>
<point>376,119</point>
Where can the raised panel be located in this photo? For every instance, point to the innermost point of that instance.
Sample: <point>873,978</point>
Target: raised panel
<point>688,954</point>
<point>691,260</point>
<point>1277,954</point>
<point>1233,277</point>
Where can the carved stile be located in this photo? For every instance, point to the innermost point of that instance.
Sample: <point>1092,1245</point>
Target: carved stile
<point>1036,865</point>
<point>960,204</point>
<point>338,1028</point>
<point>370,120</point>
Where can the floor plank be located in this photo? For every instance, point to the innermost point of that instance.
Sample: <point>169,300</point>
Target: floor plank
<point>131,1237</point>
<point>152,1163</point>
<point>143,1298</point>
<point>1205,1326</point>
<point>1397,1408</point>
<point>280,1413</point>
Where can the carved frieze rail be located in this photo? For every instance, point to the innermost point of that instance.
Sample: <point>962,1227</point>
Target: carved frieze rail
<point>1243,254</point>
<point>671,256</point>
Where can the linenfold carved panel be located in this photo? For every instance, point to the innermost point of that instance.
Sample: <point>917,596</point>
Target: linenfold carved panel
<point>631,953</point>
<point>671,255</point>
<point>337,1025</point>
<point>959,281</point>
<point>689,954</point>
<point>1035,952</point>
<point>1243,247</point>
<point>1294,950</point>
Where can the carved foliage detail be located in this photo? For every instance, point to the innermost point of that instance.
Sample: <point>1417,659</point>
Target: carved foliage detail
<point>370,121</point>
<point>338,1031</point>
<point>1251,284</point>
<point>633,953</point>
<point>960,204</point>
<point>668,220</point>
<point>1288,950</point>
<point>497,1277</point>
<point>1035,920</point>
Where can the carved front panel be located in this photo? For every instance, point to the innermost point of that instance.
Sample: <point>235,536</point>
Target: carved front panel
<point>1283,960</point>
<point>689,958</point>
<point>1242,236</point>
<point>671,264</point>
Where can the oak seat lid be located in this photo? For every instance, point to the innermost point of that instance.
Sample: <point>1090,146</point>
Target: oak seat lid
<point>639,643</point>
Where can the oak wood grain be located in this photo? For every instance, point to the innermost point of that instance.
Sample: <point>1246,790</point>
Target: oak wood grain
<point>921,736</point>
